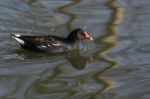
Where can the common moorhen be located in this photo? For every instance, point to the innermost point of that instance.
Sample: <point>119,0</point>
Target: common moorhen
<point>52,44</point>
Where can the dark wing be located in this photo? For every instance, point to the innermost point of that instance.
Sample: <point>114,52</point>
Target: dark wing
<point>41,40</point>
<point>44,43</point>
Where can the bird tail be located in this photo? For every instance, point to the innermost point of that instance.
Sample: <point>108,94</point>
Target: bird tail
<point>15,35</point>
<point>17,38</point>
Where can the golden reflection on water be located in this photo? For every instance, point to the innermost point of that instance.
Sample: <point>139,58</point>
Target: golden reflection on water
<point>109,41</point>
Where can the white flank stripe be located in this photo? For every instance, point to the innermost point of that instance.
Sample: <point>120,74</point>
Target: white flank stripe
<point>56,44</point>
<point>49,45</point>
<point>43,46</point>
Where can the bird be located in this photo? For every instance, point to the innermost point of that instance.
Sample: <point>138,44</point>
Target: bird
<point>52,44</point>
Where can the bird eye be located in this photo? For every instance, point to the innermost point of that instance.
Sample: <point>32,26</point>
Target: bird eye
<point>82,33</point>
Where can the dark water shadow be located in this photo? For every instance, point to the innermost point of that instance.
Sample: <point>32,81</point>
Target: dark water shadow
<point>76,60</point>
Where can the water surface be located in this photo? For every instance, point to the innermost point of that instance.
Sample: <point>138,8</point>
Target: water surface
<point>114,66</point>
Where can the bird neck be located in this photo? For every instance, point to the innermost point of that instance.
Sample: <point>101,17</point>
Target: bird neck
<point>72,38</point>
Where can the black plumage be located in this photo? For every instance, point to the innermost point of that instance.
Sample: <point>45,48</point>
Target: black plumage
<point>52,44</point>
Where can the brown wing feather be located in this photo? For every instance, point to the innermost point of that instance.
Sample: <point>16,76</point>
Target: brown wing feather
<point>40,40</point>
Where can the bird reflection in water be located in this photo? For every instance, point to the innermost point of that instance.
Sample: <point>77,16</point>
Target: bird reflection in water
<point>76,60</point>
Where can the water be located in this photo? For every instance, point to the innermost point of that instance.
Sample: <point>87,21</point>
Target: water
<point>114,66</point>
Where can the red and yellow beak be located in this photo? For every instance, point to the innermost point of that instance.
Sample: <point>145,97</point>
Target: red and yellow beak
<point>87,36</point>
